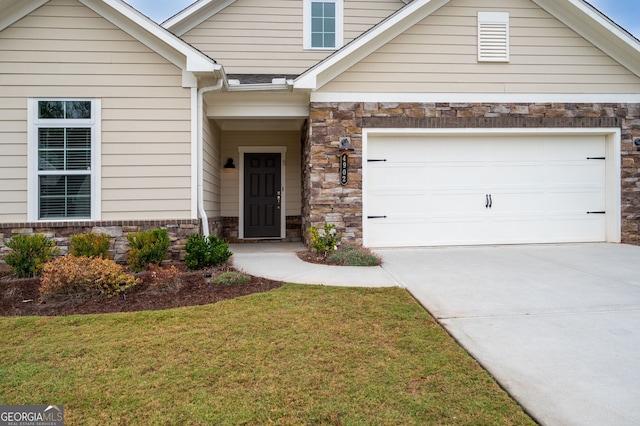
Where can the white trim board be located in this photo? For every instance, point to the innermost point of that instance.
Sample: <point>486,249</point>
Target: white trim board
<point>613,166</point>
<point>477,97</point>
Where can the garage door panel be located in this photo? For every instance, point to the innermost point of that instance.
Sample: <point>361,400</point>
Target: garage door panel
<point>572,148</point>
<point>588,173</point>
<point>450,175</point>
<point>520,173</point>
<point>574,200</point>
<point>434,191</point>
<point>396,176</point>
<point>397,233</point>
<point>387,203</point>
<point>451,202</point>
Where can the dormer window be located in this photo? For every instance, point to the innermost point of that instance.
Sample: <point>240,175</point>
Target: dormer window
<point>323,22</point>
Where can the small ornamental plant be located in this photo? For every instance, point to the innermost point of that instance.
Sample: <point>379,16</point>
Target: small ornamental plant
<point>90,245</point>
<point>29,254</point>
<point>84,277</point>
<point>164,279</point>
<point>203,252</point>
<point>146,248</point>
<point>326,242</point>
<point>355,256</point>
<point>231,278</point>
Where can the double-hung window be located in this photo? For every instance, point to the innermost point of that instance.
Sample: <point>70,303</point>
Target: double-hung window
<point>63,158</point>
<point>323,24</point>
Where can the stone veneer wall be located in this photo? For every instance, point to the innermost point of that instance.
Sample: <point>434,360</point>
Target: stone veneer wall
<point>61,232</point>
<point>325,200</point>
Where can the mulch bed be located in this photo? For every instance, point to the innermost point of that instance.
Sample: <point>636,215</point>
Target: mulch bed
<point>20,296</point>
<point>313,257</point>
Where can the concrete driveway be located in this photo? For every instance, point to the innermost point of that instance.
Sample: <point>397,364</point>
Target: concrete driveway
<point>557,325</point>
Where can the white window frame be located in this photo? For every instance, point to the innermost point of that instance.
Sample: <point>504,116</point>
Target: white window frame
<point>493,37</point>
<point>33,172</point>
<point>306,10</point>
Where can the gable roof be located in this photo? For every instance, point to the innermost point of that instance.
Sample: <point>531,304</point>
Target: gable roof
<point>172,48</point>
<point>194,14</point>
<point>578,15</point>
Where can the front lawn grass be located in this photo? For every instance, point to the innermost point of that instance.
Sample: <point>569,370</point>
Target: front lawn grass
<point>297,355</point>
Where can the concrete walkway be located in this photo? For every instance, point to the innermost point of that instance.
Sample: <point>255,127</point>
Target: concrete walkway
<point>558,326</point>
<point>278,261</point>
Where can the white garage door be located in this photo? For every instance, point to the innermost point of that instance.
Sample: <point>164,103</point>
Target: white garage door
<point>423,190</point>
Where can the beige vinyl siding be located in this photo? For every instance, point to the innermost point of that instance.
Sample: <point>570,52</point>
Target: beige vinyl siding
<point>212,166</point>
<point>440,55</point>
<point>253,37</point>
<point>231,179</point>
<point>13,158</point>
<point>65,50</point>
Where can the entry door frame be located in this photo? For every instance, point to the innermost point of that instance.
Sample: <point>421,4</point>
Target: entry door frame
<point>282,150</point>
<point>613,162</point>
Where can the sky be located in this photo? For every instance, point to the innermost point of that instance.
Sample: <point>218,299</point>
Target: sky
<point>625,13</point>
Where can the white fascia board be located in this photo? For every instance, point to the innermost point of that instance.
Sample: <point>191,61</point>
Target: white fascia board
<point>598,30</point>
<point>477,97</point>
<point>360,48</point>
<point>194,15</point>
<point>152,35</point>
<point>18,10</point>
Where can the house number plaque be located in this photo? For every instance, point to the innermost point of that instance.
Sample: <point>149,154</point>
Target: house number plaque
<point>344,169</point>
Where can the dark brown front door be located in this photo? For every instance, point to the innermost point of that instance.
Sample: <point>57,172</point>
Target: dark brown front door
<point>262,195</point>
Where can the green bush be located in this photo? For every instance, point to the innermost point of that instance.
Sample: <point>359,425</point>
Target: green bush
<point>83,277</point>
<point>29,254</point>
<point>90,245</point>
<point>231,278</point>
<point>355,256</point>
<point>146,248</point>
<point>203,252</point>
<point>327,242</point>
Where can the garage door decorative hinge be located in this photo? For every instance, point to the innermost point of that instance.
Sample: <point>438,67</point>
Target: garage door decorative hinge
<point>597,212</point>
<point>376,217</point>
<point>596,158</point>
<point>376,161</point>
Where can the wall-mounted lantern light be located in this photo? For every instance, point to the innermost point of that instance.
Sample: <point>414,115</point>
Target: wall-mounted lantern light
<point>637,144</point>
<point>229,164</point>
<point>345,145</point>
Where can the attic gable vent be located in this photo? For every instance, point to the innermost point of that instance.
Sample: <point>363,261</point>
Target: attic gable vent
<point>493,36</point>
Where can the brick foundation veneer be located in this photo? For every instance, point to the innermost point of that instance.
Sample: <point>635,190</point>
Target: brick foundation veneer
<point>293,231</point>
<point>325,200</point>
<point>61,232</point>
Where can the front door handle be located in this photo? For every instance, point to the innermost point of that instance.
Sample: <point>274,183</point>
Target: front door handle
<point>490,201</point>
<point>279,198</point>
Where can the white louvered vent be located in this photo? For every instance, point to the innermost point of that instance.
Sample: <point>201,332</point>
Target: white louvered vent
<point>493,37</point>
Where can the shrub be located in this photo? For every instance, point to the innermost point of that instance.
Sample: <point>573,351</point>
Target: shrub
<point>83,277</point>
<point>165,280</point>
<point>146,248</point>
<point>29,254</point>
<point>90,245</point>
<point>355,256</point>
<point>203,252</point>
<point>231,278</point>
<point>326,242</point>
